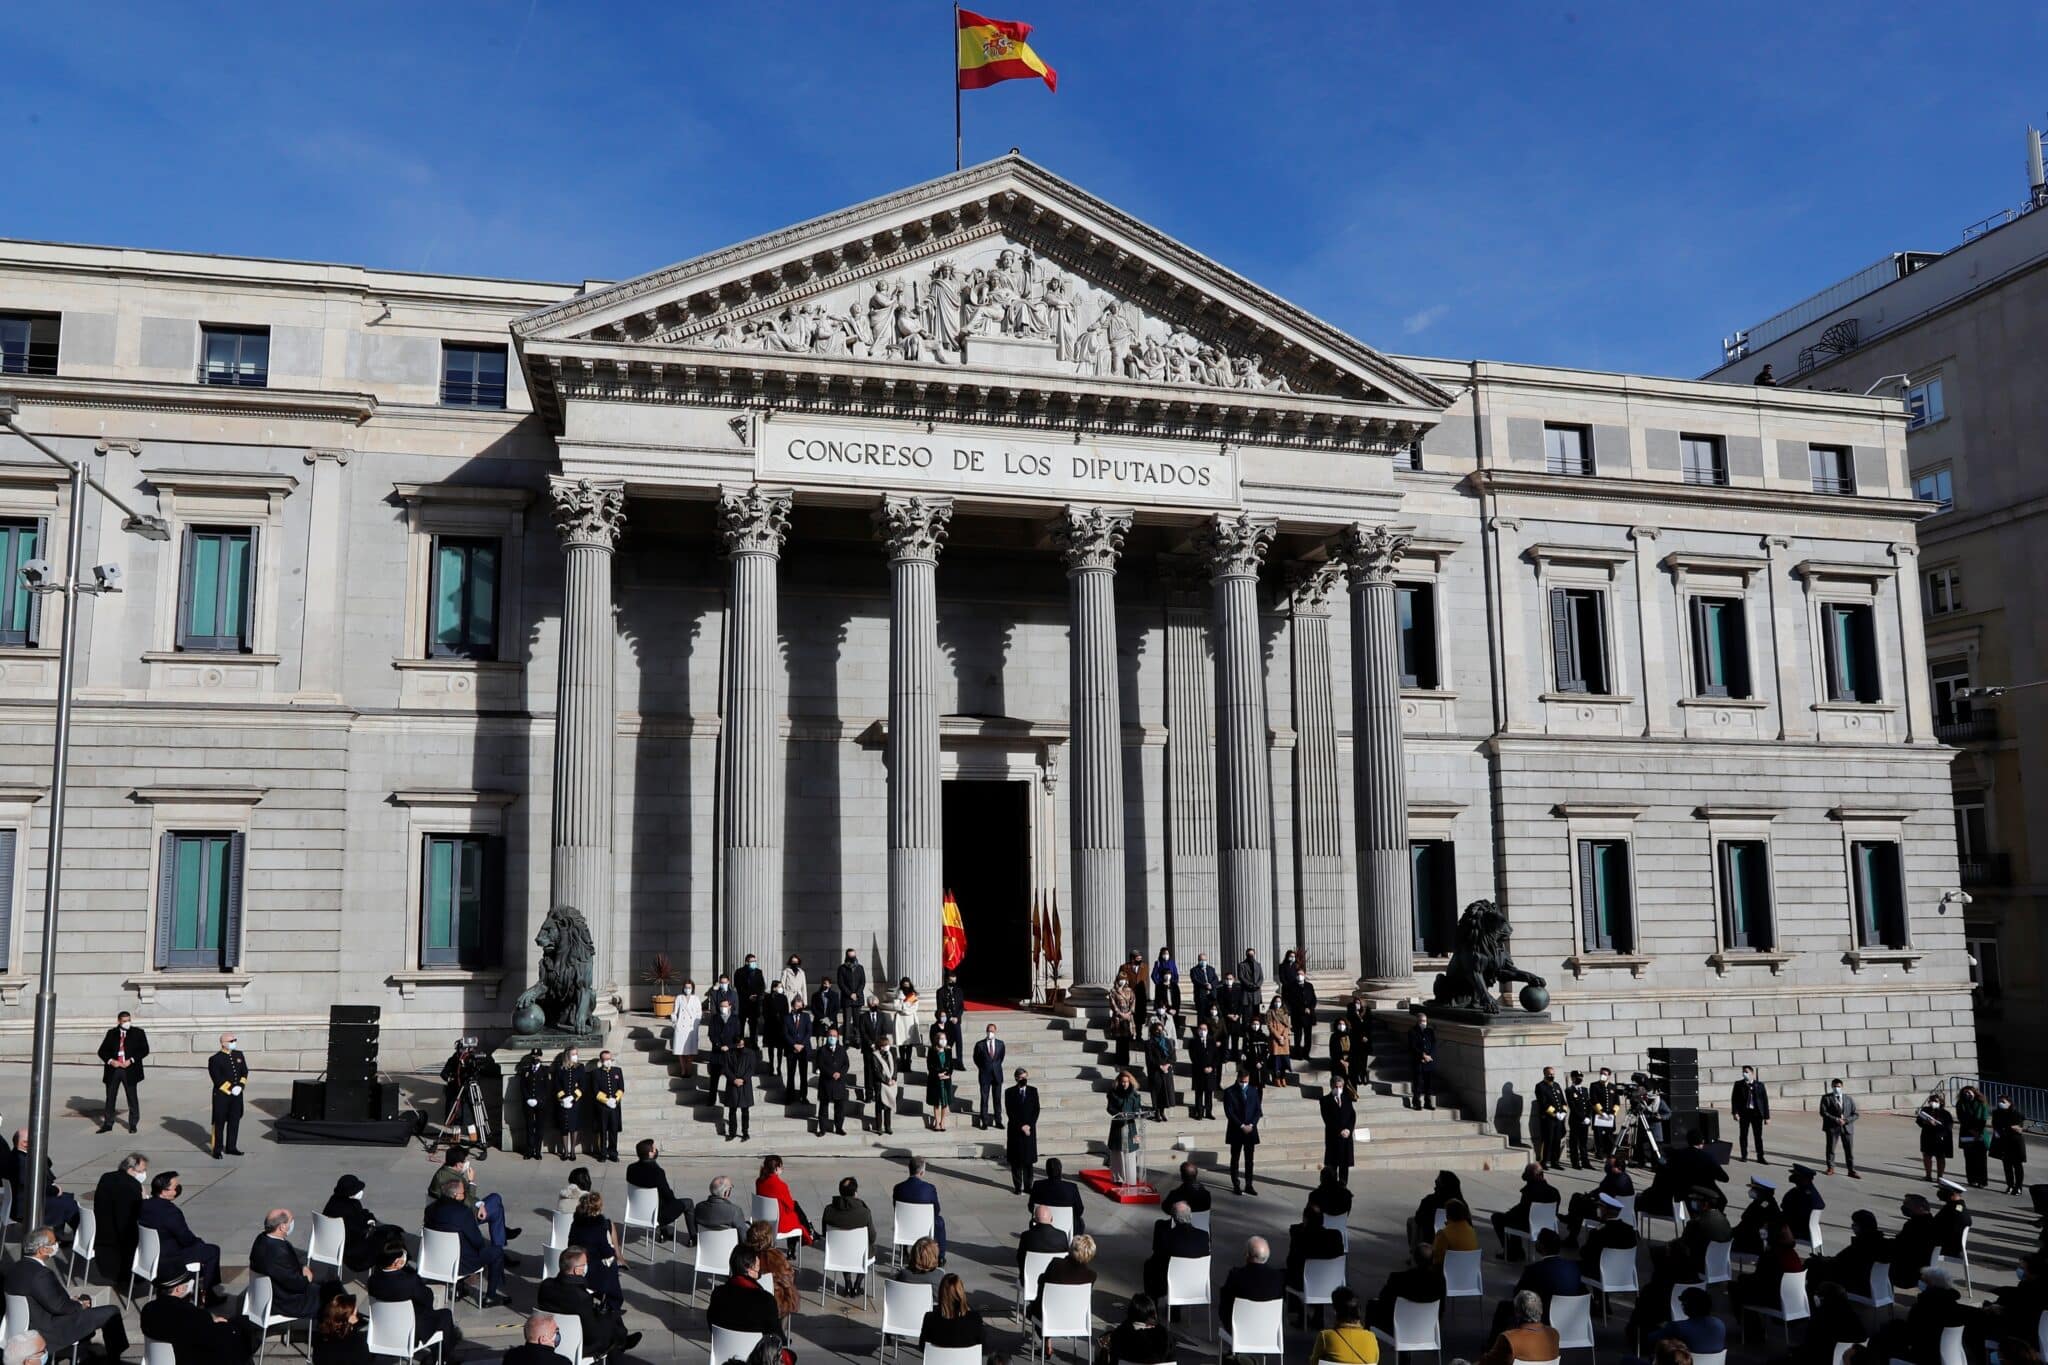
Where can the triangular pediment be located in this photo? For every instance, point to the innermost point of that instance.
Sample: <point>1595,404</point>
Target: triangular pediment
<point>1000,270</point>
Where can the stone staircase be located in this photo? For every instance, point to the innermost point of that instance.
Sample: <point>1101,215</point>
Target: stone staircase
<point>1072,1064</point>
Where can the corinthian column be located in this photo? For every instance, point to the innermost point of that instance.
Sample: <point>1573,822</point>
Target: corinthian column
<point>751,524</point>
<point>589,513</point>
<point>914,528</point>
<point>1322,880</point>
<point>1386,906</point>
<point>1234,547</point>
<point>1089,540</point>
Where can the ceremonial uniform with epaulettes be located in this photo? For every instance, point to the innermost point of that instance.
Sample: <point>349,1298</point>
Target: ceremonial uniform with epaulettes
<point>568,1091</point>
<point>608,1088</point>
<point>536,1090</point>
<point>228,1070</point>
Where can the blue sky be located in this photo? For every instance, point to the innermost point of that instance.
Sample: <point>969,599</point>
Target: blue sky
<point>1610,186</point>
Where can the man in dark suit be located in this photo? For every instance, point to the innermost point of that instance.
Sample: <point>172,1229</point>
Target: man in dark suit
<point>1174,1235</point>
<point>450,1213</point>
<point>724,1033</point>
<point>1422,1060</point>
<point>1203,981</point>
<point>796,1039</point>
<point>1952,1219</point>
<point>1578,1117</point>
<point>1699,1330</point>
<point>394,1281</point>
<point>195,1336</point>
<point>1611,1233</point>
<point>540,1338</point>
<point>741,1304</point>
<point>1536,1189</point>
<point>1232,1016</point>
<point>747,986</point>
<point>988,1070</point>
<point>1255,1281</point>
<point>1055,1191</point>
<point>645,1173</point>
<point>835,1066</point>
<point>1916,1242</point>
<point>1040,1236</point>
<point>63,1321</point>
<point>1550,1274</point>
<point>568,1295</point>
<point>852,979</point>
<point>1309,1240</point>
<point>161,1214</point>
<point>1205,1065</point>
<point>1421,1282</point>
<point>60,1210</point>
<point>272,1255</point>
<point>121,1053</point>
<point>1751,1105</point>
<point>116,1201</point>
<point>1547,1122</point>
<point>915,1189</point>
<point>1243,1108</point>
<point>1020,1139</point>
<point>1191,1191</point>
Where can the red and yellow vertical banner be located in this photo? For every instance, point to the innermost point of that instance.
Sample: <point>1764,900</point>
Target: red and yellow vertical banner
<point>952,933</point>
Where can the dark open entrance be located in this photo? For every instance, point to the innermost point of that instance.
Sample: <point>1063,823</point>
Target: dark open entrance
<point>987,829</point>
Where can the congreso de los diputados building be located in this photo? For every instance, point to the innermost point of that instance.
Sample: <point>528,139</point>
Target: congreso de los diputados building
<point>976,539</point>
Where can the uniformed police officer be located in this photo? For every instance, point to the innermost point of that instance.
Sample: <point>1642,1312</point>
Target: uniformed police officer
<point>608,1087</point>
<point>228,1070</point>
<point>1549,1119</point>
<point>1578,1102</point>
<point>536,1088</point>
<point>568,1087</point>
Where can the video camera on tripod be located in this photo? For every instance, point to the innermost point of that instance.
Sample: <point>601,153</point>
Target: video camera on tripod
<point>1645,1111</point>
<point>467,1118</point>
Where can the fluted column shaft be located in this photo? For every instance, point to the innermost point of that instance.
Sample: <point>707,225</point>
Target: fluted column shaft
<point>914,529</point>
<point>1235,546</point>
<point>1386,909</point>
<point>1321,877</point>
<point>752,524</point>
<point>1090,540</point>
<point>590,514</point>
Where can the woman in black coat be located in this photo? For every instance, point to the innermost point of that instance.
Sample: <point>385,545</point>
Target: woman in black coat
<point>1937,1136</point>
<point>1340,1121</point>
<point>357,1222</point>
<point>2009,1143</point>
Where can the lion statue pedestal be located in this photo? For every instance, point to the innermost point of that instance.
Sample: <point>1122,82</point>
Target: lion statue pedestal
<point>1480,966</point>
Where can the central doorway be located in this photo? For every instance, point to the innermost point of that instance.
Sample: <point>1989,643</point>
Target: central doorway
<point>986,826</point>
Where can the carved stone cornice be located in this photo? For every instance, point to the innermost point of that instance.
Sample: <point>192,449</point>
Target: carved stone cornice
<point>753,519</point>
<point>589,512</point>
<point>1235,544</point>
<point>1090,537</point>
<point>1310,583</point>
<point>913,527</point>
<point>1370,553</point>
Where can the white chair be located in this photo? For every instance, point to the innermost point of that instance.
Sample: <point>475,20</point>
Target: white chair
<point>1880,1295</point>
<point>912,1222</point>
<point>1417,1327</point>
<point>1628,1210</point>
<point>1962,1258</point>
<point>1541,1216</point>
<point>1062,1218</point>
<point>6,1207</point>
<point>1842,1351</point>
<point>1320,1280</point>
<point>768,1210</point>
<point>1792,1306</point>
<point>330,1235</point>
<point>16,1321</point>
<point>1677,1218</point>
<point>1035,1263</point>
<point>550,1262</point>
<point>732,1345</point>
<point>1720,1262</point>
<point>391,1331</point>
<point>257,1301</point>
<point>643,1212</point>
<point>1200,1218</point>
<point>149,1249</point>
<point>441,1263</point>
<point>903,1310</point>
<point>1709,1358</point>
<point>1617,1276</point>
<point>1951,1346</point>
<point>84,1243</point>
<point>846,1253</point>
<point>1066,1312</point>
<point>1340,1223</point>
<point>1187,1286</point>
<point>558,1228</point>
<point>158,1353</point>
<point>569,1340</point>
<point>1442,1217</point>
<point>1464,1274</point>
<point>714,1255</point>
<point>952,1355</point>
<point>1810,1245</point>
<point>1255,1329</point>
<point>1572,1316</point>
<point>2041,1332</point>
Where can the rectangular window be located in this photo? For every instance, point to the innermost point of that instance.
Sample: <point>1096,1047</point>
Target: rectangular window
<point>1415,606</point>
<point>1849,647</point>
<point>1567,450</point>
<point>1578,640</point>
<point>21,539</point>
<point>1720,648</point>
<point>463,598</point>
<point>1923,404</point>
<point>1880,896</point>
<point>1834,469</point>
<point>1973,836</point>
<point>235,356</point>
<point>1702,459</point>
<point>1951,687</point>
<point>28,343</point>
<point>1606,909</point>
<point>1746,895</point>
<point>1433,883</point>
<point>1936,487</point>
<point>472,376</point>
<point>217,589</point>
<point>1944,590</point>
<point>459,901</point>
<point>1986,976</point>
<point>9,841</point>
<point>199,901</point>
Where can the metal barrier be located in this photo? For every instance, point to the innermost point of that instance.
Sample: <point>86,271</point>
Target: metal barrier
<point>2030,1100</point>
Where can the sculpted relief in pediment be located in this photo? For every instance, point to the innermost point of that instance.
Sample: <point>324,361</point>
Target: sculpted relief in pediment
<point>992,305</point>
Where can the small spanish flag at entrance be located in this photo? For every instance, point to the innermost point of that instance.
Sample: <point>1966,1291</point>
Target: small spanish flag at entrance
<point>994,50</point>
<point>953,933</point>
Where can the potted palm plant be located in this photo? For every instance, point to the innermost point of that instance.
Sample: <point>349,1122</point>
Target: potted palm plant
<point>663,975</point>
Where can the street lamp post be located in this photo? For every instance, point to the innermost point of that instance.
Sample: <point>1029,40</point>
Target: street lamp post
<point>65,582</point>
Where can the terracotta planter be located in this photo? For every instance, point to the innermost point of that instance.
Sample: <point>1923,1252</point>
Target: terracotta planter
<point>664,1006</point>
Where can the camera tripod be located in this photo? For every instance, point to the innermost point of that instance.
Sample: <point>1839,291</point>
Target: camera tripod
<point>1636,1143</point>
<point>468,1103</point>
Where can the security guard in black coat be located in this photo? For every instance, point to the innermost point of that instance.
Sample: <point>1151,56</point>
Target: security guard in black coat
<point>536,1091</point>
<point>1548,1122</point>
<point>228,1070</point>
<point>608,1089</point>
<point>1578,1103</point>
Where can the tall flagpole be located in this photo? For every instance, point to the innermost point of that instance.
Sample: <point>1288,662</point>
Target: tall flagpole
<point>956,86</point>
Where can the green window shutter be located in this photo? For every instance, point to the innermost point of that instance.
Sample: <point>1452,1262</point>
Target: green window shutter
<point>1564,644</point>
<point>190,854</point>
<point>469,909</point>
<point>238,592</point>
<point>1589,898</point>
<point>230,901</point>
<point>166,901</point>
<point>480,625</point>
<point>1708,678</point>
<point>448,596</point>
<point>188,588</point>
<point>8,839</point>
<point>437,892</point>
<point>1615,907</point>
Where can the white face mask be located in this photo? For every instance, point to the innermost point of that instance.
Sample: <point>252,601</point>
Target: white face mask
<point>573,1059</point>
<point>289,1225</point>
<point>357,1196</point>
<point>234,1046</point>
<point>1838,1090</point>
<point>141,1178</point>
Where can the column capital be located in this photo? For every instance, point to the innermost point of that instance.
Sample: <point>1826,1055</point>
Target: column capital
<point>1310,583</point>
<point>1370,553</point>
<point>753,519</point>
<point>1234,545</point>
<point>588,512</point>
<point>1090,537</point>
<point>913,527</point>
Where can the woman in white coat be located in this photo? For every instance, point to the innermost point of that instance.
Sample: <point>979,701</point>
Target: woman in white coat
<point>792,983</point>
<point>686,1028</point>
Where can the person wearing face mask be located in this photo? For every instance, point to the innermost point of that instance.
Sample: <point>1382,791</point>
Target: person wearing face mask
<point>1166,984</point>
<point>1020,1139</point>
<point>59,1208</point>
<point>608,1089</point>
<point>852,980</point>
<point>1421,1060</point>
<point>1838,1124</point>
<point>358,1224</point>
<point>487,1209</point>
<point>1205,1063</point>
<point>160,1213</point>
<point>538,1341</point>
<point>1243,1109</point>
<point>827,1004</point>
<point>1751,1105</point>
<point>794,985</point>
<point>272,1255</point>
<point>834,1068</point>
<point>1937,1136</point>
<point>228,1072</point>
<point>569,1093</point>
<point>116,1201</point>
<point>536,1093</point>
<point>62,1320</point>
<point>1578,1134</point>
<point>796,1039</point>
<point>1973,1135</point>
<point>1160,1055</point>
<point>988,1072</point>
<point>952,1003</point>
<point>738,1083</point>
<point>750,985</point>
<point>1606,1097</point>
<point>1230,1016</point>
<point>196,1337</point>
<point>724,1037</point>
<point>2009,1143</point>
<point>121,1054</point>
<point>1203,981</point>
<point>686,1029</point>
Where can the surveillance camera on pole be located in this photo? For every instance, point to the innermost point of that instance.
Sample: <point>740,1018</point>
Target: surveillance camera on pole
<point>106,577</point>
<point>40,577</point>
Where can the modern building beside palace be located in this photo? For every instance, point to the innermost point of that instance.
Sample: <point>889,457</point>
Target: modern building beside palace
<point>976,537</point>
<point>1960,333</point>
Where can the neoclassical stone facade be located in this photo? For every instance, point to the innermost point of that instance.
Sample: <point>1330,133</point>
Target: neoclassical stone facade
<point>979,538</point>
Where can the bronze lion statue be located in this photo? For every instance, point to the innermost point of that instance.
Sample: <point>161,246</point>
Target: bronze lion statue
<point>564,996</point>
<point>1480,963</point>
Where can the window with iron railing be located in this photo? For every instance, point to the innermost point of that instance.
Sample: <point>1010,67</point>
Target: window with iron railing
<point>1567,450</point>
<point>1834,469</point>
<point>237,357</point>
<point>1703,460</point>
<point>28,343</point>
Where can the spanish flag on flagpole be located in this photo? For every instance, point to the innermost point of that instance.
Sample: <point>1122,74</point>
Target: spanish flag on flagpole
<point>953,932</point>
<point>994,50</point>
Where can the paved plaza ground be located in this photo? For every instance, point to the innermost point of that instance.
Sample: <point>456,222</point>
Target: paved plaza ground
<point>226,1200</point>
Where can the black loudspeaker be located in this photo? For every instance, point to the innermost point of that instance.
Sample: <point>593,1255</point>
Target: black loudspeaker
<point>309,1100</point>
<point>1687,1056</point>
<point>387,1100</point>
<point>352,1091</point>
<point>1705,1122</point>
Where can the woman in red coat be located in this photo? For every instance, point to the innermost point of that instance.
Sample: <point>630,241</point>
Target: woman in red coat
<point>792,1217</point>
